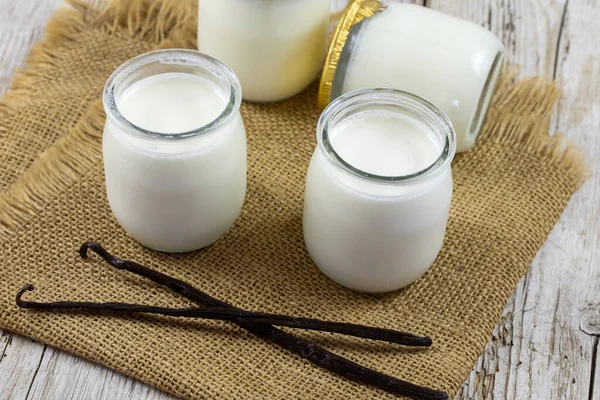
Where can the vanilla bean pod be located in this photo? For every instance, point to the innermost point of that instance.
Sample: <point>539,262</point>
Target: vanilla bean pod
<point>234,315</point>
<point>307,350</point>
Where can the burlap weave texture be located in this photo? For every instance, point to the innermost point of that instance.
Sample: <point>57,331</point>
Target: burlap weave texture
<point>508,194</point>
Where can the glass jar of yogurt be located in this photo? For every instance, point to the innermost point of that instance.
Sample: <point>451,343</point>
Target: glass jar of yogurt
<point>174,149</point>
<point>276,47</point>
<point>378,189</point>
<point>452,63</point>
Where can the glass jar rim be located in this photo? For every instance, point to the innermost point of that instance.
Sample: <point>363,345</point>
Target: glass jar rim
<point>179,57</point>
<point>390,97</point>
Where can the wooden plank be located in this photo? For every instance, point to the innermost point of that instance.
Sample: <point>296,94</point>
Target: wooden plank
<point>21,24</point>
<point>539,349</point>
<point>64,376</point>
<point>19,360</point>
<point>578,115</point>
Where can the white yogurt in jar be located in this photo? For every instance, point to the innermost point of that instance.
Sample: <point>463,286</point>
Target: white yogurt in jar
<point>451,62</point>
<point>276,47</point>
<point>385,143</point>
<point>174,149</point>
<point>378,189</point>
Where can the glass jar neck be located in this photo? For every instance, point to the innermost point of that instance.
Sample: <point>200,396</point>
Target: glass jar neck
<point>389,101</point>
<point>171,61</point>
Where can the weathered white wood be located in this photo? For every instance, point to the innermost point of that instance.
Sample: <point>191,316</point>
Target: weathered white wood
<point>19,361</point>
<point>538,349</point>
<point>548,334</point>
<point>578,67</point>
<point>21,24</point>
<point>64,376</point>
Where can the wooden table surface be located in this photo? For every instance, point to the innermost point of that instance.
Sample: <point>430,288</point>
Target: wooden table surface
<point>546,344</point>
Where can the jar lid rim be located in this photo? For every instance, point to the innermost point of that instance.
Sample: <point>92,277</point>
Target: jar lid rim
<point>355,12</point>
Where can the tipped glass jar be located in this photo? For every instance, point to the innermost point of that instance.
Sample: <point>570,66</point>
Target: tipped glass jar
<point>276,47</point>
<point>174,149</point>
<point>451,62</point>
<point>378,189</point>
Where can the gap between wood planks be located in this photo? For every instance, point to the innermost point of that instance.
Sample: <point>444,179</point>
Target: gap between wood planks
<point>558,42</point>
<point>593,372</point>
<point>37,369</point>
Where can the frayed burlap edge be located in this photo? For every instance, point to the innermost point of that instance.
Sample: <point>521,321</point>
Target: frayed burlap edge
<point>163,24</point>
<point>530,103</point>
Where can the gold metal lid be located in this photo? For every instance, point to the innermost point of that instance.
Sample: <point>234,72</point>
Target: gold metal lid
<point>356,11</point>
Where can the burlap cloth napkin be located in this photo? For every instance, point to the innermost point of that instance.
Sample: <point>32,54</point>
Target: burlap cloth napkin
<point>508,194</point>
